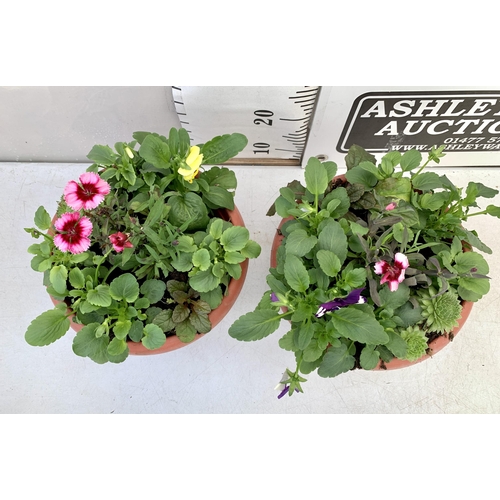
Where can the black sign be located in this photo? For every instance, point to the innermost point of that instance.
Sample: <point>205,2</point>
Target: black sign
<point>465,121</point>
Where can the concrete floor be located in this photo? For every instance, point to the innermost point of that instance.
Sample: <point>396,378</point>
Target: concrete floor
<point>217,374</point>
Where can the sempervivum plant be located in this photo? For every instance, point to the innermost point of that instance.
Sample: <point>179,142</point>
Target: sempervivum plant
<point>140,248</point>
<point>372,265</point>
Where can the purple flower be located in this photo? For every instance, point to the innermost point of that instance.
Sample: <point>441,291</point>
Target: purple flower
<point>274,298</point>
<point>284,391</point>
<point>354,297</point>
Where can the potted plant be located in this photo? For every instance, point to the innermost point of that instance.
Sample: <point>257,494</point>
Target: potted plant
<point>144,247</point>
<point>371,267</point>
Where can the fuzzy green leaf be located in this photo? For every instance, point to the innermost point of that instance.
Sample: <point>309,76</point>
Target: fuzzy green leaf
<point>86,343</point>
<point>255,325</point>
<point>153,338</point>
<point>223,148</point>
<point>125,287</point>
<point>234,238</point>
<point>333,238</point>
<point>369,358</point>
<point>155,151</point>
<point>411,159</point>
<point>42,219</point>
<point>153,290</point>
<point>204,281</point>
<point>359,326</point>
<point>47,327</point>
<point>329,262</point>
<point>58,276</point>
<point>76,278</point>
<point>337,360</point>
<point>316,176</point>
<point>201,259</point>
<point>296,274</point>
<point>100,296</point>
<point>300,243</point>
<point>102,155</point>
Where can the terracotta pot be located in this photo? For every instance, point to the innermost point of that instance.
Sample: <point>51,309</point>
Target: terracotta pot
<point>434,346</point>
<point>216,316</point>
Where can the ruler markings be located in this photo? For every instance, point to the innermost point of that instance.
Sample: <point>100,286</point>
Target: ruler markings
<point>213,110</point>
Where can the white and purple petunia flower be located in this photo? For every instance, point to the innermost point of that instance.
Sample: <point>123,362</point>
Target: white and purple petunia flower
<point>394,274</point>
<point>354,297</point>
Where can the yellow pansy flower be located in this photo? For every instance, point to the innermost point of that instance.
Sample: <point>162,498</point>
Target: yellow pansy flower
<point>193,161</point>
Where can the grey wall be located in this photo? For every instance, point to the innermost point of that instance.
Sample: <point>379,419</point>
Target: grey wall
<point>61,124</point>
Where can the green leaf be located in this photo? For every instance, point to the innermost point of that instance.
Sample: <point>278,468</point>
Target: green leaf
<point>164,320</point>
<point>466,261</point>
<point>303,335</point>
<point>411,159</point>
<point>333,238</point>
<point>255,325</point>
<point>397,345</point>
<point>219,197</point>
<point>359,175</point>
<point>125,287</point>
<point>153,290</point>
<point>427,181</point>
<point>188,208</point>
<point>185,331</point>
<point>234,238</point>
<point>201,259</point>
<point>216,228</point>
<point>493,210</point>
<point>356,325</point>
<point>369,358</point>
<point>234,258</point>
<point>180,313</point>
<point>223,148</point>
<point>135,333</point>
<point>155,151</point>
<point>100,296</point>
<point>121,328</point>
<point>47,328</point>
<point>204,281</point>
<point>76,278</point>
<point>329,262</point>
<point>337,360</point>
<point>153,338</point>
<point>251,250</point>
<point>393,300</point>
<point>58,277</point>
<point>300,243</point>
<point>200,322</point>
<point>356,155</point>
<point>117,346</point>
<point>341,195</point>
<point>42,219</point>
<point>316,176</point>
<point>296,274</point>
<point>86,344</point>
<point>102,155</point>
<point>213,298</point>
<point>395,187</point>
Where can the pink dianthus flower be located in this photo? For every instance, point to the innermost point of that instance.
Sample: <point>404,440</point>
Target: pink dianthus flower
<point>394,274</point>
<point>74,232</point>
<point>88,194</point>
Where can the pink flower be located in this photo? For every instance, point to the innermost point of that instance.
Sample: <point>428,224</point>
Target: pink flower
<point>89,194</point>
<point>394,274</point>
<point>391,206</point>
<point>74,232</point>
<point>120,241</point>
